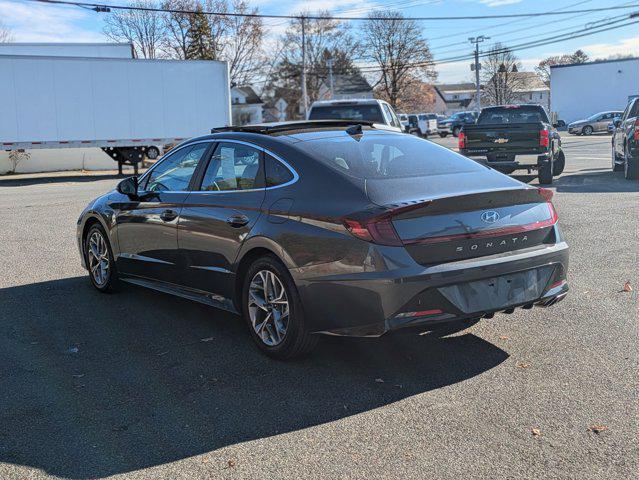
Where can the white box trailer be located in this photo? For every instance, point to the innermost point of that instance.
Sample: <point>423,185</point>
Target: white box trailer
<point>127,107</point>
<point>93,50</point>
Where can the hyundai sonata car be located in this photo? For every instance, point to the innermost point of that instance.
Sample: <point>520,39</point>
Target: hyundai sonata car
<point>328,227</point>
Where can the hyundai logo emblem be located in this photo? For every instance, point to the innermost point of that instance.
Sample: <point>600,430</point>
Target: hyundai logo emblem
<point>490,216</point>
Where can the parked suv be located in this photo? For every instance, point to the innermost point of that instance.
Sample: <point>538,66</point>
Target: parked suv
<point>427,124</point>
<point>597,123</point>
<point>625,142</point>
<point>369,110</point>
<point>455,122</point>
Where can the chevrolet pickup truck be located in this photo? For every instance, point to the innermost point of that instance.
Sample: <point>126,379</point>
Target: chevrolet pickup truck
<point>515,137</point>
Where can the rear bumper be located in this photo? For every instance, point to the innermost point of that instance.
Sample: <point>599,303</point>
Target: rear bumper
<point>446,129</point>
<point>513,160</point>
<point>373,303</point>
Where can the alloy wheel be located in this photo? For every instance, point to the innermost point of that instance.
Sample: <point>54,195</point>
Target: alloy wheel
<point>268,307</point>
<point>98,258</point>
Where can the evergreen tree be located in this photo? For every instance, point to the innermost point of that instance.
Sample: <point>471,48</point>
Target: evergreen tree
<point>200,44</point>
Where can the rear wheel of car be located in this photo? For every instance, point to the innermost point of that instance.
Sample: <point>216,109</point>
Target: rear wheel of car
<point>616,167</point>
<point>99,259</point>
<point>443,135</point>
<point>631,166</point>
<point>587,130</point>
<point>560,164</point>
<point>273,311</point>
<point>545,173</point>
<point>456,131</point>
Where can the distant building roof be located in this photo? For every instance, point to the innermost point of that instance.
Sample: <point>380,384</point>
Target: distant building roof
<point>456,87</point>
<point>251,96</point>
<point>349,84</point>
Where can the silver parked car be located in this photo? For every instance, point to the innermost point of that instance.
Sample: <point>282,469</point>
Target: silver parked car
<point>595,124</point>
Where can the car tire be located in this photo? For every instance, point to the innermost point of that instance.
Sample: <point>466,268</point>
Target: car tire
<point>443,135</point>
<point>616,167</point>
<point>152,153</point>
<point>545,173</point>
<point>631,166</point>
<point>100,260</point>
<point>456,131</point>
<point>560,164</point>
<point>587,130</point>
<point>269,292</point>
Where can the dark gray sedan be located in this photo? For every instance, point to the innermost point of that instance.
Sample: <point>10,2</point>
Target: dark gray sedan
<point>331,228</point>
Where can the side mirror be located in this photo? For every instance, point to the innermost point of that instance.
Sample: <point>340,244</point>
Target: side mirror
<point>617,122</point>
<point>128,187</point>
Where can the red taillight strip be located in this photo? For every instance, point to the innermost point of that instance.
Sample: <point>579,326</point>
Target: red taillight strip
<point>423,313</point>
<point>495,232</point>
<point>557,284</point>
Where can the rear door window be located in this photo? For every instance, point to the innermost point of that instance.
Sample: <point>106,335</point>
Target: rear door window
<point>233,166</point>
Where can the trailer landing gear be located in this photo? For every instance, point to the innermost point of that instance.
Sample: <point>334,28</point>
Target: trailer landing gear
<point>126,155</point>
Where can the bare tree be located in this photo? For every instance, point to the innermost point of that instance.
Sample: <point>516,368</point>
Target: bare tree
<point>5,33</point>
<point>543,69</point>
<point>176,25</point>
<point>243,45</point>
<point>500,75</point>
<point>326,38</point>
<point>398,48</point>
<point>144,29</point>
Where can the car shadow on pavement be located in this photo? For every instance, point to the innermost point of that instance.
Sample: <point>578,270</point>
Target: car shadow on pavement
<point>595,181</point>
<point>95,385</point>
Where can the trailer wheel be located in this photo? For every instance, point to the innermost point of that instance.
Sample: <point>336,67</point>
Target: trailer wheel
<point>152,153</point>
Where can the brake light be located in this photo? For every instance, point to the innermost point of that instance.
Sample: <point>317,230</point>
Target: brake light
<point>462,140</point>
<point>544,138</point>
<point>635,134</point>
<point>380,231</point>
<point>547,195</point>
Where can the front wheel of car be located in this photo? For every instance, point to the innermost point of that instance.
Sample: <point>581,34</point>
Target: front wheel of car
<point>273,310</point>
<point>443,135</point>
<point>99,259</point>
<point>587,130</point>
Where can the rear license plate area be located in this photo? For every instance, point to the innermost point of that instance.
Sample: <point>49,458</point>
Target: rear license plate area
<point>498,293</point>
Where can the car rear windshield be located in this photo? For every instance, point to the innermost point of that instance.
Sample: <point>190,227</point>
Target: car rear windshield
<point>377,155</point>
<point>371,113</point>
<point>512,115</point>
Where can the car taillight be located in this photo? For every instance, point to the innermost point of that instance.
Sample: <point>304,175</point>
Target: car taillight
<point>380,231</point>
<point>547,195</point>
<point>635,135</point>
<point>462,140</point>
<point>544,138</point>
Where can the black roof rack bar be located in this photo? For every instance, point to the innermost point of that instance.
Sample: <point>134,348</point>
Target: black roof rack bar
<point>267,128</point>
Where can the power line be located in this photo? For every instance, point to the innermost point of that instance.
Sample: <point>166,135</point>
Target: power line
<point>107,7</point>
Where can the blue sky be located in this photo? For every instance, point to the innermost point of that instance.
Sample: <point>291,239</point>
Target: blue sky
<point>32,22</point>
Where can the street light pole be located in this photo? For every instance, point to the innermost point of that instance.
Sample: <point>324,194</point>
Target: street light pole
<point>477,67</point>
<point>304,94</point>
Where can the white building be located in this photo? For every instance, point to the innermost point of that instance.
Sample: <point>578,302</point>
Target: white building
<point>581,90</point>
<point>246,106</point>
<point>91,50</point>
<point>457,97</point>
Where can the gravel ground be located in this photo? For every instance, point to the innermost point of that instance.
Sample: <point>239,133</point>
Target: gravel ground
<point>141,385</point>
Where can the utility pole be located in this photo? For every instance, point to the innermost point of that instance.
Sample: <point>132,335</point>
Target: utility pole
<point>304,94</point>
<point>329,64</point>
<point>476,67</point>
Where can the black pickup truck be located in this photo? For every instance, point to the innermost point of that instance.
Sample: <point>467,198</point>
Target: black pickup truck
<point>515,137</point>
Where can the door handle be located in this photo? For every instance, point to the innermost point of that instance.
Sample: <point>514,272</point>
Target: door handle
<point>237,220</point>
<point>168,215</point>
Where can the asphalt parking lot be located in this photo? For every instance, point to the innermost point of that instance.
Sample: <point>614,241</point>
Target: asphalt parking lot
<point>141,385</point>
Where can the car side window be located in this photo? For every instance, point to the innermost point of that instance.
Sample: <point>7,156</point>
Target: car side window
<point>276,172</point>
<point>634,109</point>
<point>233,166</point>
<point>174,172</point>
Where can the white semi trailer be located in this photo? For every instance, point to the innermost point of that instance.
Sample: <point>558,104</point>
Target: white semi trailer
<point>126,107</point>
